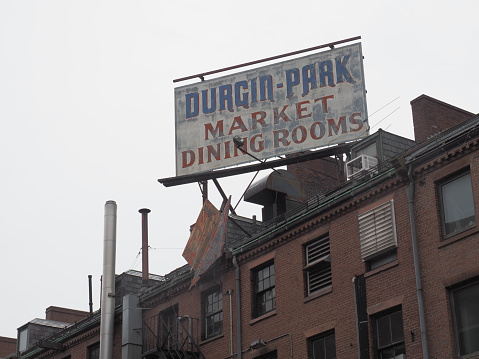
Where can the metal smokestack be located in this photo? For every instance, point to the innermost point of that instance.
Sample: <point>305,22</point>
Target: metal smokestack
<point>108,282</point>
<point>144,246</point>
<point>90,296</point>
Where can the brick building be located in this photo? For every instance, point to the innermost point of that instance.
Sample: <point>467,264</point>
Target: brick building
<point>383,265</point>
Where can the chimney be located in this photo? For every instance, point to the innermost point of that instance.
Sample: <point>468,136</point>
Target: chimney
<point>144,246</point>
<point>431,116</point>
<point>108,282</point>
<point>319,176</point>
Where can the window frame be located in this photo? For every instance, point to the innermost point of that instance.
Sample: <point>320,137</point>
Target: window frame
<point>322,263</point>
<point>257,294</point>
<point>91,348</point>
<point>22,342</point>
<point>322,336</point>
<point>206,315</point>
<point>453,307</point>
<point>371,221</point>
<point>442,203</point>
<point>393,344</point>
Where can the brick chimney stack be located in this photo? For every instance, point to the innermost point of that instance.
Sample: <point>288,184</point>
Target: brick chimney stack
<point>431,116</point>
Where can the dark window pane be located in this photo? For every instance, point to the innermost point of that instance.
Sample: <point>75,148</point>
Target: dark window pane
<point>330,347</point>
<point>458,206</point>
<point>466,302</point>
<point>384,331</point>
<point>213,314</point>
<point>264,290</point>
<point>397,333</point>
<point>323,347</point>
<point>390,335</point>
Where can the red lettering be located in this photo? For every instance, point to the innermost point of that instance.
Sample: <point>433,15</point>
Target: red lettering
<point>281,136</point>
<point>300,109</point>
<point>260,120</point>
<point>294,134</point>
<point>355,119</point>
<point>324,101</point>
<point>218,130</point>
<point>281,114</point>
<point>185,162</point>
<point>212,152</point>
<point>252,143</point>
<point>200,156</point>
<point>314,130</point>
<point>333,127</point>
<point>238,124</point>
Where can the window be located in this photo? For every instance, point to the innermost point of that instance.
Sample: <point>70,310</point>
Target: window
<point>270,355</point>
<point>466,318</point>
<point>457,206</point>
<point>264,300</point>
<point>168,327</point>
<point>318,265</point>
<point>212,313</point>
<point>94,351</point>
<point>377,235</point>
<point>322,346</point>
<point>22,339</point>
<point>389,336</point>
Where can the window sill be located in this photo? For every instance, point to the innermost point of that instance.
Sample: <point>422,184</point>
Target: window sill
<point>458,236</point>
<point>380,269</point>
<point>211,339</point>
<point>318,294</point>
<point>264,316</point>
<point>470,356</point>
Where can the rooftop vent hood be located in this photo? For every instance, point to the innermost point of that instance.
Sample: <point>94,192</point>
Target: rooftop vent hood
<point>279,192</point>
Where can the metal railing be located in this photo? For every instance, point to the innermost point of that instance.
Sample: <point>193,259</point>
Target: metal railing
<point>171,337</point>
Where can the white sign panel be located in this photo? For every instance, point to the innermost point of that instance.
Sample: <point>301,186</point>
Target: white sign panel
<point>301,104</point>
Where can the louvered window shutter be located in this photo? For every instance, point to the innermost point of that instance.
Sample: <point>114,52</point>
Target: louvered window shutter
<point>377,230</point>
<point>318,265</point>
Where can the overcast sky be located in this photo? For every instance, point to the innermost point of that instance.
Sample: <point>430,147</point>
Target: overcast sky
<point>87,115</point>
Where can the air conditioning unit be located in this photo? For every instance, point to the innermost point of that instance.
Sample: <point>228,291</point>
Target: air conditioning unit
<point>360,164</point>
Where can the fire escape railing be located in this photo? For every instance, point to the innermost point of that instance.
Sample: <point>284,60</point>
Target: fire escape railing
<point>172,339</point>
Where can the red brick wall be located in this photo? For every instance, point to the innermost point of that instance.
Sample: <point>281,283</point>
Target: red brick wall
<point>303,317</point>
<point>431,116</point>
<point>444,262</point>
<point>7,346</point>
<point>318,176</point>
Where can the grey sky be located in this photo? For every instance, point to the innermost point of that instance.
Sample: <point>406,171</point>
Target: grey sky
<point>87,115</point>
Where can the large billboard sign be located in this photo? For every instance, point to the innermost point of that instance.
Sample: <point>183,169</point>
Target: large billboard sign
<point>301,104</point>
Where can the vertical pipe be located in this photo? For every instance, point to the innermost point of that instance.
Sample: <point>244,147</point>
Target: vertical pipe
<point>90,302</point>
<point>417,270</point>
<point>205,190</point>
<point>108,282</point>
<point>144,246</point>
<point>231,324</point>
<point>238,310</point>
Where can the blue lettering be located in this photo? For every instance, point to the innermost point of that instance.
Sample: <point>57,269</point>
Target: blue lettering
<point>326,71</point>
<point>341,70</point>
<point>309,78</point>
<point>192,99</point>
<point>266,84</point>
<point>254,97</point>
<point>292,79</point>
<point>204,98</point>
<point>226,96</point>
<point>241,99</point>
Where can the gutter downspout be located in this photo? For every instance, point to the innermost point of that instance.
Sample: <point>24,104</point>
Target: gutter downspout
<point>417,269</point>
<point>238,308</point>
<point>107,314</point>
<point>230,293</point>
